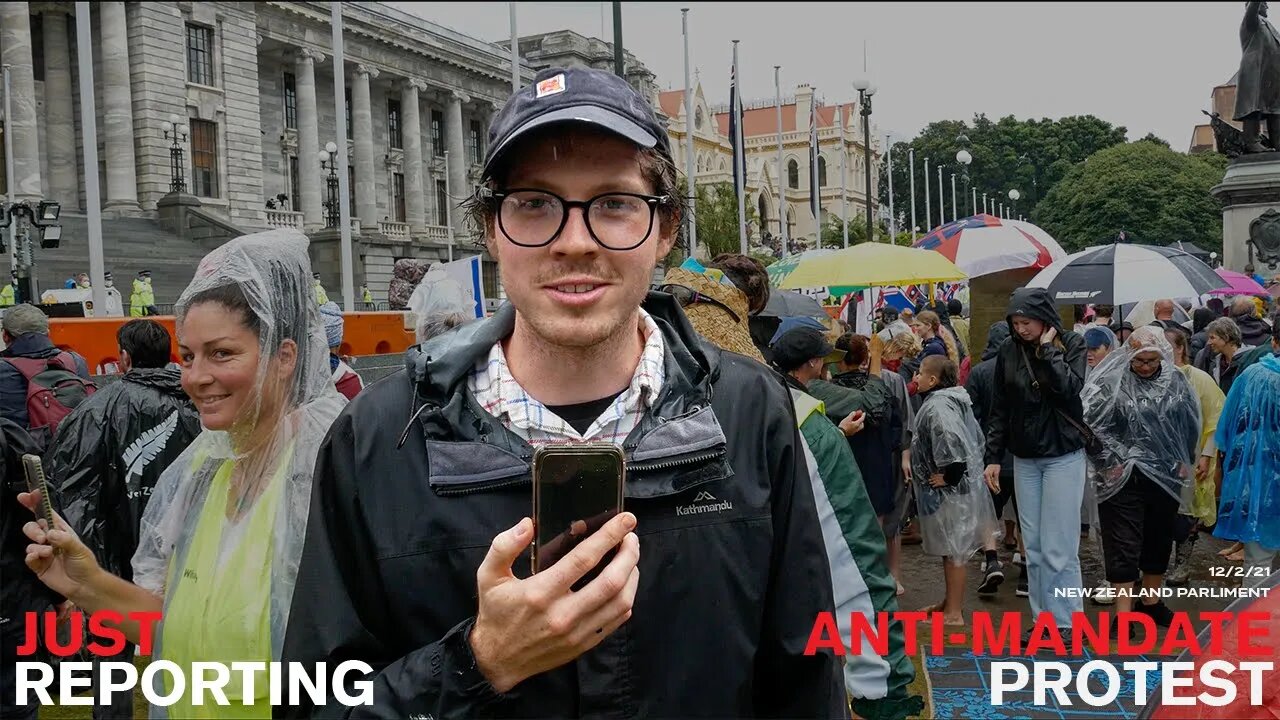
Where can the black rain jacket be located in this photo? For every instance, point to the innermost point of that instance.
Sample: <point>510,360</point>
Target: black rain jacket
<point>981,390</point>
<point>109,453</point>
<point>733,568</point>
<point>1034,385</point>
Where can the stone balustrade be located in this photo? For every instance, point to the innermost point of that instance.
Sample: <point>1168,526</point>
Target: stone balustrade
<point>284,219</point>
<point>394,230</point>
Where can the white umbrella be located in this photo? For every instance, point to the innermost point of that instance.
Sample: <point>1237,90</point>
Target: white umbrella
<point>985,244</point>
<point>1123,274</point>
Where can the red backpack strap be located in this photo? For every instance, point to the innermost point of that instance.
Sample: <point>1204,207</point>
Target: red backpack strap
<point>29,367</point>
<point>66,361</point>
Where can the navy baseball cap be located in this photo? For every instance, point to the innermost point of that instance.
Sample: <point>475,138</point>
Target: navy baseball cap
<point>1096,337</point>
<point>576,95</point>
<point>800,345</point>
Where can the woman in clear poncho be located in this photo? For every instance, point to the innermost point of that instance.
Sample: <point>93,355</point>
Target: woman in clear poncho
<point>1147,417</point>
<point>221,537</point>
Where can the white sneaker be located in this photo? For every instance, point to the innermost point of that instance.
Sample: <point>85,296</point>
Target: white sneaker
<point>1103,595</point>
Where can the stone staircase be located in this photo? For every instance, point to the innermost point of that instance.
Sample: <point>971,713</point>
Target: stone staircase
<point>129,245</point>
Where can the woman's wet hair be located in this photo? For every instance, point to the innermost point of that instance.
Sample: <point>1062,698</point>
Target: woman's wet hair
<point>930,318</point>
<point>232,298</point>
<point>857,349</point>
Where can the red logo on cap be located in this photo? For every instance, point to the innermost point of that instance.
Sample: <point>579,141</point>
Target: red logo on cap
<point>551,86</point>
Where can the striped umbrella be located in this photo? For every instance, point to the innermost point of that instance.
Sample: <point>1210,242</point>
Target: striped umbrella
<point>1122,274</point>
<point>985,244</point>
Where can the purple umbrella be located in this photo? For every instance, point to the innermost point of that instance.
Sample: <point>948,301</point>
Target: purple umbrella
<point>1238,284</point>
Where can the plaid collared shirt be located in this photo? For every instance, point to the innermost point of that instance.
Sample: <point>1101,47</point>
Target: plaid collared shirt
<point>498,392</point>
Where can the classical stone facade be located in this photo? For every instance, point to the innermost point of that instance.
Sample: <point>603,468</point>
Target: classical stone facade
<point>254,83</point>
<point>713,158</point>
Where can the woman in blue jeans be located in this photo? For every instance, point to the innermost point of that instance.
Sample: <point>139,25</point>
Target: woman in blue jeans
<point>1036,415</point>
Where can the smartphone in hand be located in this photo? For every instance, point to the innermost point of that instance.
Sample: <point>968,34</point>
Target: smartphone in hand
<point>576,490</point>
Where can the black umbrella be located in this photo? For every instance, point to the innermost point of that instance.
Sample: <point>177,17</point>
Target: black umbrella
<point>1122,274</point>
<point>785,303</point>
<point>1191,248</point>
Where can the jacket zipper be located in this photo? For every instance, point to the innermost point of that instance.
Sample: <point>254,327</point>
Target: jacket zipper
<point>668,464</point>
<point>477,487</point>
<point>638,467</point>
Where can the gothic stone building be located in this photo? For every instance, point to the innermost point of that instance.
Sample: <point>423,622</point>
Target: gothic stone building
<point>254,83</point>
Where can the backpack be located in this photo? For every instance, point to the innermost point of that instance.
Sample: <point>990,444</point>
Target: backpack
<point>53,391</point>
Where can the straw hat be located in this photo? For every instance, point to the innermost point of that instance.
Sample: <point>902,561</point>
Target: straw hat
<point>713,322</point>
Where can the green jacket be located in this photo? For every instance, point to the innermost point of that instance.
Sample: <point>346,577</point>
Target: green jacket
<point>860,575</point>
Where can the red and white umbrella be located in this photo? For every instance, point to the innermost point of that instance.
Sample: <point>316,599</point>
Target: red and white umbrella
<point>985,244</point>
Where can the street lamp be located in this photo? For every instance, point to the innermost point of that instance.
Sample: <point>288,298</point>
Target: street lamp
<point>329,161</point>
<point>1013,196</point>
<point>174,129</point>
<point>964,158</point>
<point>865,91</point>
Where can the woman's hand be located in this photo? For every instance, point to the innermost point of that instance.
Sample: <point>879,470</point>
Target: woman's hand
<point>906,466</point>
<point>57,556</point>
<point>937,481</point>
<point>1049,336</point>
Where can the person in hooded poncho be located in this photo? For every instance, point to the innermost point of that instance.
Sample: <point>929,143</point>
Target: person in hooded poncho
<point>1249,439</point>
<point>956,515</point>
<point>221,538</point>
<point>1147,416</point>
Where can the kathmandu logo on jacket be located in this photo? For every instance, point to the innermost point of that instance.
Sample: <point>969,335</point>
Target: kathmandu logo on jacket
<point>711,506</point>
<point>144,450</point>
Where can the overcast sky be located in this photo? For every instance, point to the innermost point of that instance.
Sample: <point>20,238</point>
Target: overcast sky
<point>1149,67</point>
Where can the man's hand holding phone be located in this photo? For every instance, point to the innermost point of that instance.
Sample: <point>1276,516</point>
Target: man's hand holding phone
<point>525,627</point>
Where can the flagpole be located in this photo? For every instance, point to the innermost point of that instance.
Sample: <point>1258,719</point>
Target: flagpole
<point>844,197</point>
<point>973,202</point>
<point>515,52</point>
<point>928,200</point>
<point>741,153</point>
<point>893,218</point>
<point>815,191</point>
<point>911,160</point>
<point>782,208</point>
<point>942,201</point>
<point>954,207</point>
<point>344,191</point>
<point>690,177</point>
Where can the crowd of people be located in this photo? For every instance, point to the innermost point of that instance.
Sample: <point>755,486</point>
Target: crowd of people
<point>276,508</point>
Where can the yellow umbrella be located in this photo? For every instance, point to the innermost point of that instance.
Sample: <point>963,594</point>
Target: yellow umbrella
<point>866,265</point>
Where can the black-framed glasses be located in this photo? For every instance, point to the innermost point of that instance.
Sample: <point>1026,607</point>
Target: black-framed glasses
<point>532,218</point>
<point>687,296</point>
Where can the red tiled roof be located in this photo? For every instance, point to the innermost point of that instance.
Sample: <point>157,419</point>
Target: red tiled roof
<point>671,102</point>
<point>764,121</point>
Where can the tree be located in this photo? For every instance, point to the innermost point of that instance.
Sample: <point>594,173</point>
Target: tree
<point>1153,194</point>
<point>1030,156</point>
<point>716,212</point>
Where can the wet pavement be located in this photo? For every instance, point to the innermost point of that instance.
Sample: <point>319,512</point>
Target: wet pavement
<point>922,579</point>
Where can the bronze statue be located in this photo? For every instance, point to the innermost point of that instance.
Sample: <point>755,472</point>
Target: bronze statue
<point>1258,84</point>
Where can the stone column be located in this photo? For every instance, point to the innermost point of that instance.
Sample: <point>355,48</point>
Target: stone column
<point>362,132</point>
<point>59,116</point>
<point>309,139</point>
<point>117,109</point>
<point>415,196</point>
<point>15,41</point>
<point>458,188</point>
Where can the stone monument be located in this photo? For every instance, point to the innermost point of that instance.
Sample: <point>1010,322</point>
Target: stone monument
<point>1250,190</point>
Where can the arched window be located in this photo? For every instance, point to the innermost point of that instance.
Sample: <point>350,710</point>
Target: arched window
<point>791,224</point>
<point>764,215</point>
<point>793,174</point>
<point>822,172</point>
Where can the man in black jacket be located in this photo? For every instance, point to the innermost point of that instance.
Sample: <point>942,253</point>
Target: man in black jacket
<point>1036,414</point>
<point>111,450</point>
<point>416,559</point>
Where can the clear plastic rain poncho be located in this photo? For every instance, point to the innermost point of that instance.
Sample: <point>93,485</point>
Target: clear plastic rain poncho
<point>233,507</point>
<point>1148,424</point>
<point>439,304</point>
<point>955,521</point>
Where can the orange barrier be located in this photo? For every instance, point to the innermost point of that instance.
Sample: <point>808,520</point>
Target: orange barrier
<point>365,333</point>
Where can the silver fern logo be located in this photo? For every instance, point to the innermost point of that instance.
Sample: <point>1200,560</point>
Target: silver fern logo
<point>143,451</point>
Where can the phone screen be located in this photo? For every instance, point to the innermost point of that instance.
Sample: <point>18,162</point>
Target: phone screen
<point>575,494</point>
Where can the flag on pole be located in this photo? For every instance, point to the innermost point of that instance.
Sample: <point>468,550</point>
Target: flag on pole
<point>735,126</point>
<point>815,193</point>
